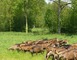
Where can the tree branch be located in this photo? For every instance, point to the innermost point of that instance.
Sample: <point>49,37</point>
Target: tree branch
<point>64,5</point>
<point>54,1</point>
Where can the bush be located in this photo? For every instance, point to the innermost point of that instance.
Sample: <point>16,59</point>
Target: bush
<point>40,31</point>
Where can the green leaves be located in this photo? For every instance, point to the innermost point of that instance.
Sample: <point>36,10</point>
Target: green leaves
<point>39,15</point>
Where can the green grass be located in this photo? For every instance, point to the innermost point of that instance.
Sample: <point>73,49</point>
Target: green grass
<point>7,39</point>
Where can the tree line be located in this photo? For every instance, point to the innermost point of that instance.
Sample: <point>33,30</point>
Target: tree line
<point>37,15</point>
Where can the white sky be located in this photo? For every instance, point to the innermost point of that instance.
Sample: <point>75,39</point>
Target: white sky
<point>63,0</point>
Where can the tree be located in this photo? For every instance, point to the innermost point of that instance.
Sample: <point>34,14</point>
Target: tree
<point>11,6</point>
<point>60,8</point>
<point>51,17</point>
<point>26,14</point>
<point>34,12</point>
<point>37,12</point>
<point>73,19</point>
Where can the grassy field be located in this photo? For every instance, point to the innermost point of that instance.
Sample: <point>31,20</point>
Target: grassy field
<point>7,39</point>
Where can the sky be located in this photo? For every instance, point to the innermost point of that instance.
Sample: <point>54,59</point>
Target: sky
<point>47,1</point>
<point>63,0</point>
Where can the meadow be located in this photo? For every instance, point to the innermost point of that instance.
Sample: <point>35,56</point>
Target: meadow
<point>8,39</point>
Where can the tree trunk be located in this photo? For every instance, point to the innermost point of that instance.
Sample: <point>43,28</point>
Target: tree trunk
<point>26,24</point>
<point>26,15</point>
<point>10,20</point>
<point>10,25</point>
<point>59,20</point>
<point>10,16</point>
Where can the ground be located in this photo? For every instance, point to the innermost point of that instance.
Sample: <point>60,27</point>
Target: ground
<point>8,39</point>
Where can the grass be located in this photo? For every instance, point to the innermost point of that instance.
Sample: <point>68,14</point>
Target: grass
<point>7,39</point>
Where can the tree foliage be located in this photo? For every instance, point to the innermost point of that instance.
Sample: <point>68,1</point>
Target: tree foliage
<point>15,14</point>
